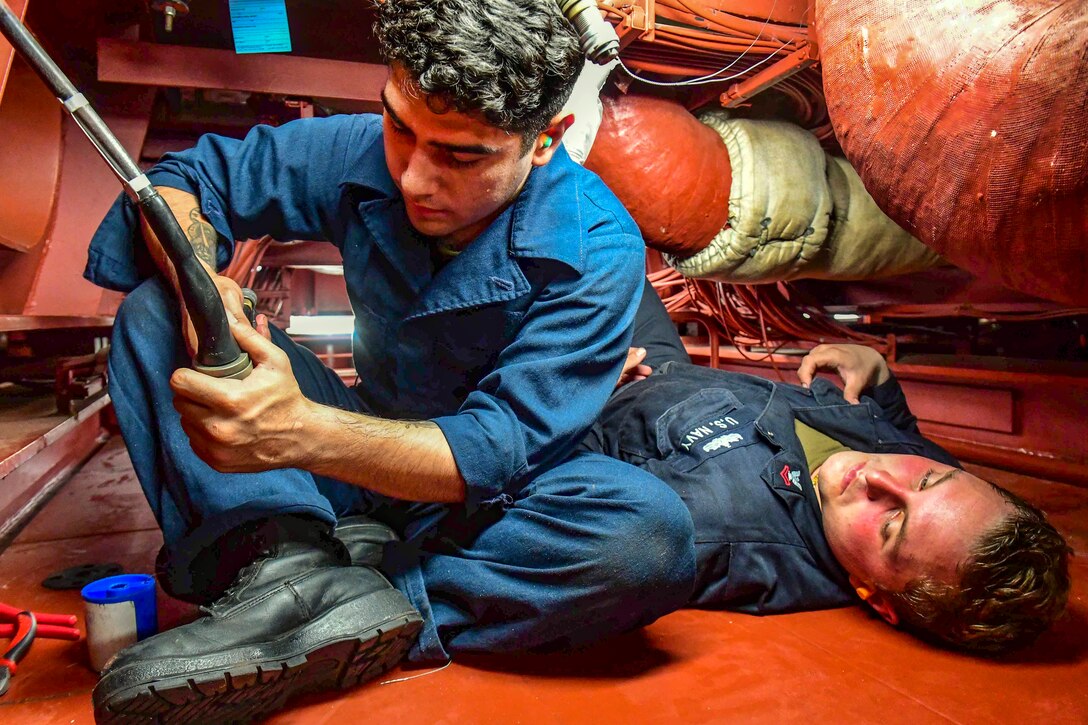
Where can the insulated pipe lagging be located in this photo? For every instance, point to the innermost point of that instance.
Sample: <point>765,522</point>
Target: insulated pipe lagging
<point>217,353</point>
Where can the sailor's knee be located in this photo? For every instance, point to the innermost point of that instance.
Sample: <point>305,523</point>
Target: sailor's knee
<point>146,332</point>
<point>655,553</point>
<point>665,549</point>
<point>150,309</point>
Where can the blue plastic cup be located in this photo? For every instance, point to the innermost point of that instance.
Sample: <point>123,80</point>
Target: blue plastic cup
<point>120,611</point>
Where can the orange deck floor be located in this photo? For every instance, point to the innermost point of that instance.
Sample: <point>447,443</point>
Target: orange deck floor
<point>689,667</point>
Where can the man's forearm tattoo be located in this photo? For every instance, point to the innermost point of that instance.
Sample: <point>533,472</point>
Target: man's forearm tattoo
<point>203,238</point>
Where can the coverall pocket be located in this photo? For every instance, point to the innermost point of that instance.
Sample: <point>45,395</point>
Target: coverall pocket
<point>708,424</point>
<point>472,340</point>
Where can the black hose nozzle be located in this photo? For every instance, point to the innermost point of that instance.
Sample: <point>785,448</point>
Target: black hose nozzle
<point>217,351</point>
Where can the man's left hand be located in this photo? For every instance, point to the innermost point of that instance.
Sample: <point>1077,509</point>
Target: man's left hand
<point>239,426</point>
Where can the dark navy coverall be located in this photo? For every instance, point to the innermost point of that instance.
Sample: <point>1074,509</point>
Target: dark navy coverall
<point>725,442</point>
<point>511,349</point>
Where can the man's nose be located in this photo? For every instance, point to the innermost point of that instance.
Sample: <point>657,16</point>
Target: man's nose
<point>419,179</point>
<point>880,484</point>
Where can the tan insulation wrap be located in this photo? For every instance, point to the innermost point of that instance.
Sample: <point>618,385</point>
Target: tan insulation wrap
<point>796,212</point>
<point>864,242</point>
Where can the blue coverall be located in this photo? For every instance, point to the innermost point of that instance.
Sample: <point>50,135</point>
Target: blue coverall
<point>725,442</point>
<point>512,348</point>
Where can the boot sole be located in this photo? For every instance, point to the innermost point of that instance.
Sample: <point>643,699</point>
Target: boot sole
<point>309,659</point>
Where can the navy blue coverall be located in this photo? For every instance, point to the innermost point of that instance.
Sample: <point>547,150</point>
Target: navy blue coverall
<point>725,442</point>
<point>511,348</point>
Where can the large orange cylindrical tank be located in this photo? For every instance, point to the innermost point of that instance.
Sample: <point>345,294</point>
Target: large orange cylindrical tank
<point>968,122</point>
<point>30,131</point>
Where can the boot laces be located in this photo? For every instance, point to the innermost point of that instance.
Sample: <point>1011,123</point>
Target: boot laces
<point>240,578</point>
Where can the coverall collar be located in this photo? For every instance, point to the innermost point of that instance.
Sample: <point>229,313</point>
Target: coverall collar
<point>544,222</point>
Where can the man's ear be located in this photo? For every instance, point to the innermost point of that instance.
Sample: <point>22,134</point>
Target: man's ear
<point>883,607</point>
<point>875,599</point>
<point>548,141</point>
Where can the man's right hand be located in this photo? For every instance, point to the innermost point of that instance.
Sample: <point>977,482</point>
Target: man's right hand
<point>859,367</point>
<point>231,293</point>
<point>633,369</point>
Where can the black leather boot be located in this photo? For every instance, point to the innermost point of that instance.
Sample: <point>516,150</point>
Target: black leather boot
<point>297,619</point>
<point>364,538</point>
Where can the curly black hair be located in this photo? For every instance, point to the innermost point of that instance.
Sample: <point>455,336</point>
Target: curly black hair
<point>513,61</point>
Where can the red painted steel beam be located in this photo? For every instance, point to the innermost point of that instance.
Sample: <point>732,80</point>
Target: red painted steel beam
<point>151,64</point>
<point>29,477</point>
<point>800,59</point>
<point>47,280</point>
<point>301,253</point>
<point>966,406</point>
<point>1033,463</point>
<point>13,323</point>
<point>941,368</point>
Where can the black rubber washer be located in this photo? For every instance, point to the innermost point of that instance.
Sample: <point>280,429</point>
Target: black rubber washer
<point>80,576</point>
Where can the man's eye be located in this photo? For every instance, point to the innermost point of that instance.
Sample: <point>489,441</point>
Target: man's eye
<point>886,529</point>
<point>925,480</point>
<point>461,161</point>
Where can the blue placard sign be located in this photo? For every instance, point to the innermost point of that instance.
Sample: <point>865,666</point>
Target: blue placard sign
<point>260,26</point>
